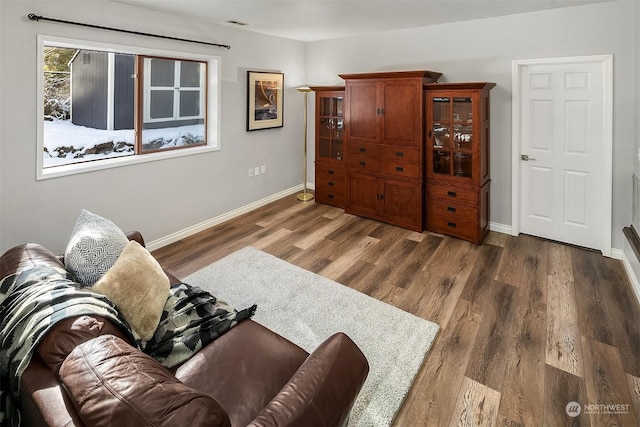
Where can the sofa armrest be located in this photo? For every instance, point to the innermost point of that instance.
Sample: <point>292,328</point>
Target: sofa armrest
<point>323,389</point>
<point>135,235</point>
<point>112,383</point>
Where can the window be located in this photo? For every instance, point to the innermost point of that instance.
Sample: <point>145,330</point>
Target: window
<point>104,106</point>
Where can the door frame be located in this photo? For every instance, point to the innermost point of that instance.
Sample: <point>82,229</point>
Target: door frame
<point>607,138</point>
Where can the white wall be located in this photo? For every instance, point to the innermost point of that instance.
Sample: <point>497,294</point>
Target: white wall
<point>158,198</point>
<point>164,197</point>
<point>483,50</point>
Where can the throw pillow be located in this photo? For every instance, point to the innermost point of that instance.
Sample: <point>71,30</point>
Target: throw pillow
<point>138,287</point>
<point>94,246</point>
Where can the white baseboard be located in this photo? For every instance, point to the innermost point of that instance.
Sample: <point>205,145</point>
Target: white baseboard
<point>189,231</point>
<point>500,228</point>
<point>631,266</point>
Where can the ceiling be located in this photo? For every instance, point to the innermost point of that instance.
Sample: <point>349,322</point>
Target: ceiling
<point>312,20</point>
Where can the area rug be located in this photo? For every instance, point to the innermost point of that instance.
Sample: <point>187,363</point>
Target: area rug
<point>307,308</point>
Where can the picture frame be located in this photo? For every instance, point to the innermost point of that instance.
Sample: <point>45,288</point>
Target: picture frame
<point>265,100</point>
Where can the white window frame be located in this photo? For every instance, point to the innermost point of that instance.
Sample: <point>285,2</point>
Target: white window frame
<point>176,88</point>
<point>212,108</point>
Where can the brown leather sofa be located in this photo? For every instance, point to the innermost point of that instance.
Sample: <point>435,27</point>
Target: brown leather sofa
<point>85,373</point>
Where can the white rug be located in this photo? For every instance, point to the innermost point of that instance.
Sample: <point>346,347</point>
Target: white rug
<point>307,308</point>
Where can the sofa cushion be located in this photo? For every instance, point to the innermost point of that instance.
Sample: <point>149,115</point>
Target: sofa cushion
<point>111,383</point>
<point>70,333</point>
<point>94,246</point>
<point>138,286</point>
<point>24,257</point>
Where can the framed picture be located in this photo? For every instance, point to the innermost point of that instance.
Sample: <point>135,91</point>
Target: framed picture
<point>264,100</point>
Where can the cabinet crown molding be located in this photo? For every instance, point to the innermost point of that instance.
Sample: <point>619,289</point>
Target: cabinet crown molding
<point>426,74</point>
<point>460,86</point>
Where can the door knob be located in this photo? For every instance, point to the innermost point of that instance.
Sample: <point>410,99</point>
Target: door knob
<point>526,157</point>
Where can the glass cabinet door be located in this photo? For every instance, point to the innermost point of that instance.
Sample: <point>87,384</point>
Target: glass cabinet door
<point>331,127</point>
<point>452,135</point>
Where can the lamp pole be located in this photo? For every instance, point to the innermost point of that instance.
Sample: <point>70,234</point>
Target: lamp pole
<point>305,196</point>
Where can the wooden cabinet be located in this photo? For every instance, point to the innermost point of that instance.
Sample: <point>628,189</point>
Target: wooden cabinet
<point>384,117</point>
<point>330,170</point>
<point>457,159</point>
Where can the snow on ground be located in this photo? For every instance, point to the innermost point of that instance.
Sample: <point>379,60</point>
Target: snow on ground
<point>66,143</point>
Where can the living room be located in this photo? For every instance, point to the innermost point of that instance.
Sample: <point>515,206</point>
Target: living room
<point>171,199</point>
<point>480,50</point>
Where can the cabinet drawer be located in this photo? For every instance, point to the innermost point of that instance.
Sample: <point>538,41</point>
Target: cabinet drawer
<point>454,212</point>
<point>331,184</point>
<point>363,164</point>
<point>363,150</point>
<point>466,230</point>
<point>401,154</point>
<point>409,170</point>
<point>330,172</point>
<point>449,192</point>
<point>330,197</point>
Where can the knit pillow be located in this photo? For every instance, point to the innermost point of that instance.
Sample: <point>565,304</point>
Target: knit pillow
<point>138,287</point>
<point>94,246</point>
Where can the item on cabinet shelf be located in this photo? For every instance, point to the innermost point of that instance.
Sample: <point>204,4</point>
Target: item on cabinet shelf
<point>384,116</point>
<point>305,196</point>
<point>458,169</point>
<point>330,148</point>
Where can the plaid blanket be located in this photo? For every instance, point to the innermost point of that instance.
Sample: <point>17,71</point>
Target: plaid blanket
<point>33,301</point>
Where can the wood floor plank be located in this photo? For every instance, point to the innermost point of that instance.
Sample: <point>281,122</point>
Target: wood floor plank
<point>437,386</point>
<point>492,342</point>
<point>344,261</point>
<point>563,348</point>
<point>271,238</point>
<point>634,393</point>
<point>590,299</point>
<point>446,280</point>
<point>510,268</point>
<point>624,311</point>
<point>522,392</point>
<point>606,385</point>
<point>560,389</point>
<point>535,271</point>
<point>522,397</point>
<point>477,405</point>
<point>311,238</point>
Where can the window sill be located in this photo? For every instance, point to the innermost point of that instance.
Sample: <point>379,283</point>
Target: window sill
<point>97,165</point>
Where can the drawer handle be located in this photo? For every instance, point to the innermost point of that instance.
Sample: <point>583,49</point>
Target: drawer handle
<point>330,196</point>
<point>399,154</point>
<point>450,209</point>
<point>451,224</point>
<point>399,168</point>
<point>363,163</point>
<point>451,193</point>
<point>362,150</point>
<point>330,184</point>
<point>330,172</point>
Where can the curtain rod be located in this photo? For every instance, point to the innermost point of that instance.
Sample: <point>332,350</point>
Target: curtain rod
<point>34,17</point>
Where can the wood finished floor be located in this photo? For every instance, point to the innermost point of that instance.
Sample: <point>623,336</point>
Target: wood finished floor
<point>527,325</point>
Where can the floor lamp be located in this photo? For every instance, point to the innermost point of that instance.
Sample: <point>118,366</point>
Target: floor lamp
<point>305,196</point>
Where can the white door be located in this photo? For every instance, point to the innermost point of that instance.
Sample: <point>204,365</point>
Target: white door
<point>562,150</point>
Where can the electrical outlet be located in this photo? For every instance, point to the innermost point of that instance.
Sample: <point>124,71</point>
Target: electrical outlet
<point>256,171</point>
<point>264,169</point>
<point>250,172</point>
